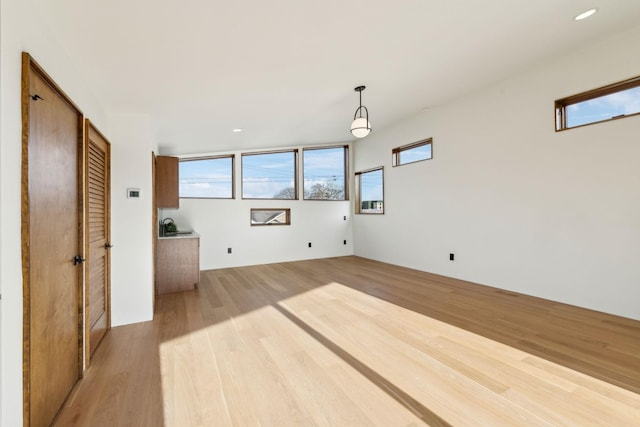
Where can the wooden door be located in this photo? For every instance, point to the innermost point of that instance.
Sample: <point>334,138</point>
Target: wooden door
<point>51,239</point>
<point>97,205</point>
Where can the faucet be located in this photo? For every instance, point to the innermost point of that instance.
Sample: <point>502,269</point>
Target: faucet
<point>168,226</point>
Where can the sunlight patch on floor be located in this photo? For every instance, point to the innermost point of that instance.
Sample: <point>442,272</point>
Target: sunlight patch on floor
<point>437,363</point>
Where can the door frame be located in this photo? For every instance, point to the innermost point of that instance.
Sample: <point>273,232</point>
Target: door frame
<point>29,65</point>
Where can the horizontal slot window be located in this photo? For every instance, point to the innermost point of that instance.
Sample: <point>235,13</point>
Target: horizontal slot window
<point>411,153</point>
<point>612,102</point>
<point>270,217</point>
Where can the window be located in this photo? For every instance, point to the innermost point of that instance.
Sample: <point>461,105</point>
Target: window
<point>411,153</point>
<point>270,175</point>
<point>324,172</point>
<point>611,102</point>
<point>207,178</point>
<point>370,191</point>
<point>270,217</point>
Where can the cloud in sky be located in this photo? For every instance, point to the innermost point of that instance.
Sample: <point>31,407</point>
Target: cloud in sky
<point>604,107</point>
<point>205,190</point>
<point>324,159</point>
<point>371,185</point>
<point>206,178</point>
<point>264,188</point>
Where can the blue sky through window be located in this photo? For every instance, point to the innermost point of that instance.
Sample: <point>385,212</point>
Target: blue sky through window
<point>371,186</point>
<point>206,178</point>
<point>604,108</point>
<point>324,167</point>
<point>415,154</point>
<point>266,175</point>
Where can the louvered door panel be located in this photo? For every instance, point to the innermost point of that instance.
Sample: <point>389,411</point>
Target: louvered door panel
<point>98,236</point>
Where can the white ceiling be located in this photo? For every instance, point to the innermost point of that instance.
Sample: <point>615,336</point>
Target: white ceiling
<point>284,70</point>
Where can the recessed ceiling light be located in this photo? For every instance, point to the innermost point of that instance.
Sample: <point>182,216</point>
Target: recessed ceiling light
<point>586,14</point>
<point>237,130</point>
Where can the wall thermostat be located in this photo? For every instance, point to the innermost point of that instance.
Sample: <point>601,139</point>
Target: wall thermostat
<point>133,193</point>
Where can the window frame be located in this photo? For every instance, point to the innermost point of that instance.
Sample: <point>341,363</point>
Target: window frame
<point>562,104</point>
<point>287,212</point>
<point>395,153</point>
<point>345,166</point>
<point>296,162</point>
<point>233,175</point>
<point>358,186</point>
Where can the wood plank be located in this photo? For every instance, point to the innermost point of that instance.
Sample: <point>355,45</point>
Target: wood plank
<point>349,341</point>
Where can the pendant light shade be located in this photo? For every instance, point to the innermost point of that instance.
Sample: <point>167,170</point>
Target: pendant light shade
<point>360,127</point>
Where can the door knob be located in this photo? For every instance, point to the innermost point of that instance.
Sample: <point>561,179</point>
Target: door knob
<point>78,260</point>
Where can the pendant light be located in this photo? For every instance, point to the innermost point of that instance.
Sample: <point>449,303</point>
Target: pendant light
<point>361,126</point>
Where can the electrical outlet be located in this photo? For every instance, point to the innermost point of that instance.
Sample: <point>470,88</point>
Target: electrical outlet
<point>345,242</point>
<point>345,217</point>
<point>309,244</point>
<point>228,250</point>
<point>451,256</point>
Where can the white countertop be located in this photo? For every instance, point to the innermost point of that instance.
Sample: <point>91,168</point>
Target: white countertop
<point>191,235</point>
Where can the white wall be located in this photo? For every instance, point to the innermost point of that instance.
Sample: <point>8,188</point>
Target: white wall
<point>225,224</point>
<point>1,180</point>
<point>23,29</point>
<point>555,215</point>
<point>131,224</point>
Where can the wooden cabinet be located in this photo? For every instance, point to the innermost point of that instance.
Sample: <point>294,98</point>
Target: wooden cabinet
<point>177,264</point>
<point>167,182</point>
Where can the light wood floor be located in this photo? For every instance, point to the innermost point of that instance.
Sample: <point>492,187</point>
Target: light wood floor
<point>353,342</point>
